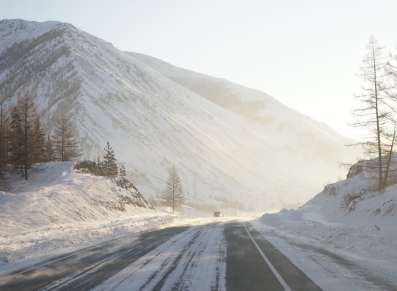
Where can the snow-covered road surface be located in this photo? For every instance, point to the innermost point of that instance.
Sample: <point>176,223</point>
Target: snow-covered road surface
<point>191,260</point>
<point>209,254</point>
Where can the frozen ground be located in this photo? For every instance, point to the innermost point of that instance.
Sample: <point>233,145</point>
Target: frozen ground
<point>346,236</point>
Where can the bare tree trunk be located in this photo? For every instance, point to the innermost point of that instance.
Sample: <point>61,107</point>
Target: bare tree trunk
<point>65,140</point>
<point>63,144</point>
<point>389,159</point>
<point>377,121</point>
<point>26,140</point>
<point>373,115</point>
<point>173,195</point>
<point>29,112</point>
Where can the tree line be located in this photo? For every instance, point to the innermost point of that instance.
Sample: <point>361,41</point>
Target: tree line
<point>378,109</point>
<point>23,141</point>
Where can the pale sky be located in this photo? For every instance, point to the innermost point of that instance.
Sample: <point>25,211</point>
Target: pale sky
<point>306,54</point>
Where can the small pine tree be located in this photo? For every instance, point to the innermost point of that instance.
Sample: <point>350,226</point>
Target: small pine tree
<point>109,162</point>
<point>173,194</point>
<point>122,171</point>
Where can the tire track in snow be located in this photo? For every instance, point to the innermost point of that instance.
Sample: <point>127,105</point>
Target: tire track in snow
<point>72,271</point>
<point>177,261</point>
<point>192,260</point>
<point>81,273</point>
<point>105,269</point>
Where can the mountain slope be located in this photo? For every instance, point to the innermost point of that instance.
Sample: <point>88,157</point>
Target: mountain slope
<point>153,122</point>
<point>294,127</point>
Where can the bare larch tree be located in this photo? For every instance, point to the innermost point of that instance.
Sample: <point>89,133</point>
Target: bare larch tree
<point>173,194</point>
<point>28,112</point>
<point>65,140</point>
<point>375,111</point>
<point>3,135</point>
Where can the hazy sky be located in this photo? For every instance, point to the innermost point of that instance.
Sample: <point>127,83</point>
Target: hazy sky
<point>303,53</point>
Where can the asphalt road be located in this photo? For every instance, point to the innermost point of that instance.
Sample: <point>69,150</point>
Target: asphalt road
<point>208,256</point>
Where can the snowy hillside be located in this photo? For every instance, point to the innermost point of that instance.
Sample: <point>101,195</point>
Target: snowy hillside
<point>292,127</point>
<point>61,207</point>
<point>348,218</point>
<point>153,122</point>
<point>57,194</point>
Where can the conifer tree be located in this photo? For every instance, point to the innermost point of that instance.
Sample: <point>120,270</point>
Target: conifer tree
<point>29,115</point>
<point>3,136</point>
<point>39,154</point>
<point>16,140</point>
<point>65,140</point>
<point>110,168</point>
<point>173,194</point>
<point>49,154</point>
<point>122,172</point>
<point>7,138</point>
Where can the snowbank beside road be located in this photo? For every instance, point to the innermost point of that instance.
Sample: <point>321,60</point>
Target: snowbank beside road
<point>56,194</point>
<point>346,220</point>
<point>49,239</point>
<point>60,207</point>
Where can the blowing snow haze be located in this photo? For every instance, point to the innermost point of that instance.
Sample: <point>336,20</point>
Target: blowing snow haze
<point>225,139</point>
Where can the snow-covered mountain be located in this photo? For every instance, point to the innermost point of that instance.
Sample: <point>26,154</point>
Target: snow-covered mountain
<point>296,129</point>
<point>224,139</point>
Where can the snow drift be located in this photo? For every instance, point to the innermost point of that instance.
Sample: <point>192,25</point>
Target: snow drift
<point>56,194</point>
<point>349,216</point>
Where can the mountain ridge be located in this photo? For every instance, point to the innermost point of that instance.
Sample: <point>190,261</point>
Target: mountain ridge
<point>153,122</point>
<point>170,71</point>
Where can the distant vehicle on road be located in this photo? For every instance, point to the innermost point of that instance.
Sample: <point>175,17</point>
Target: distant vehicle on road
<point>217,214</point>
